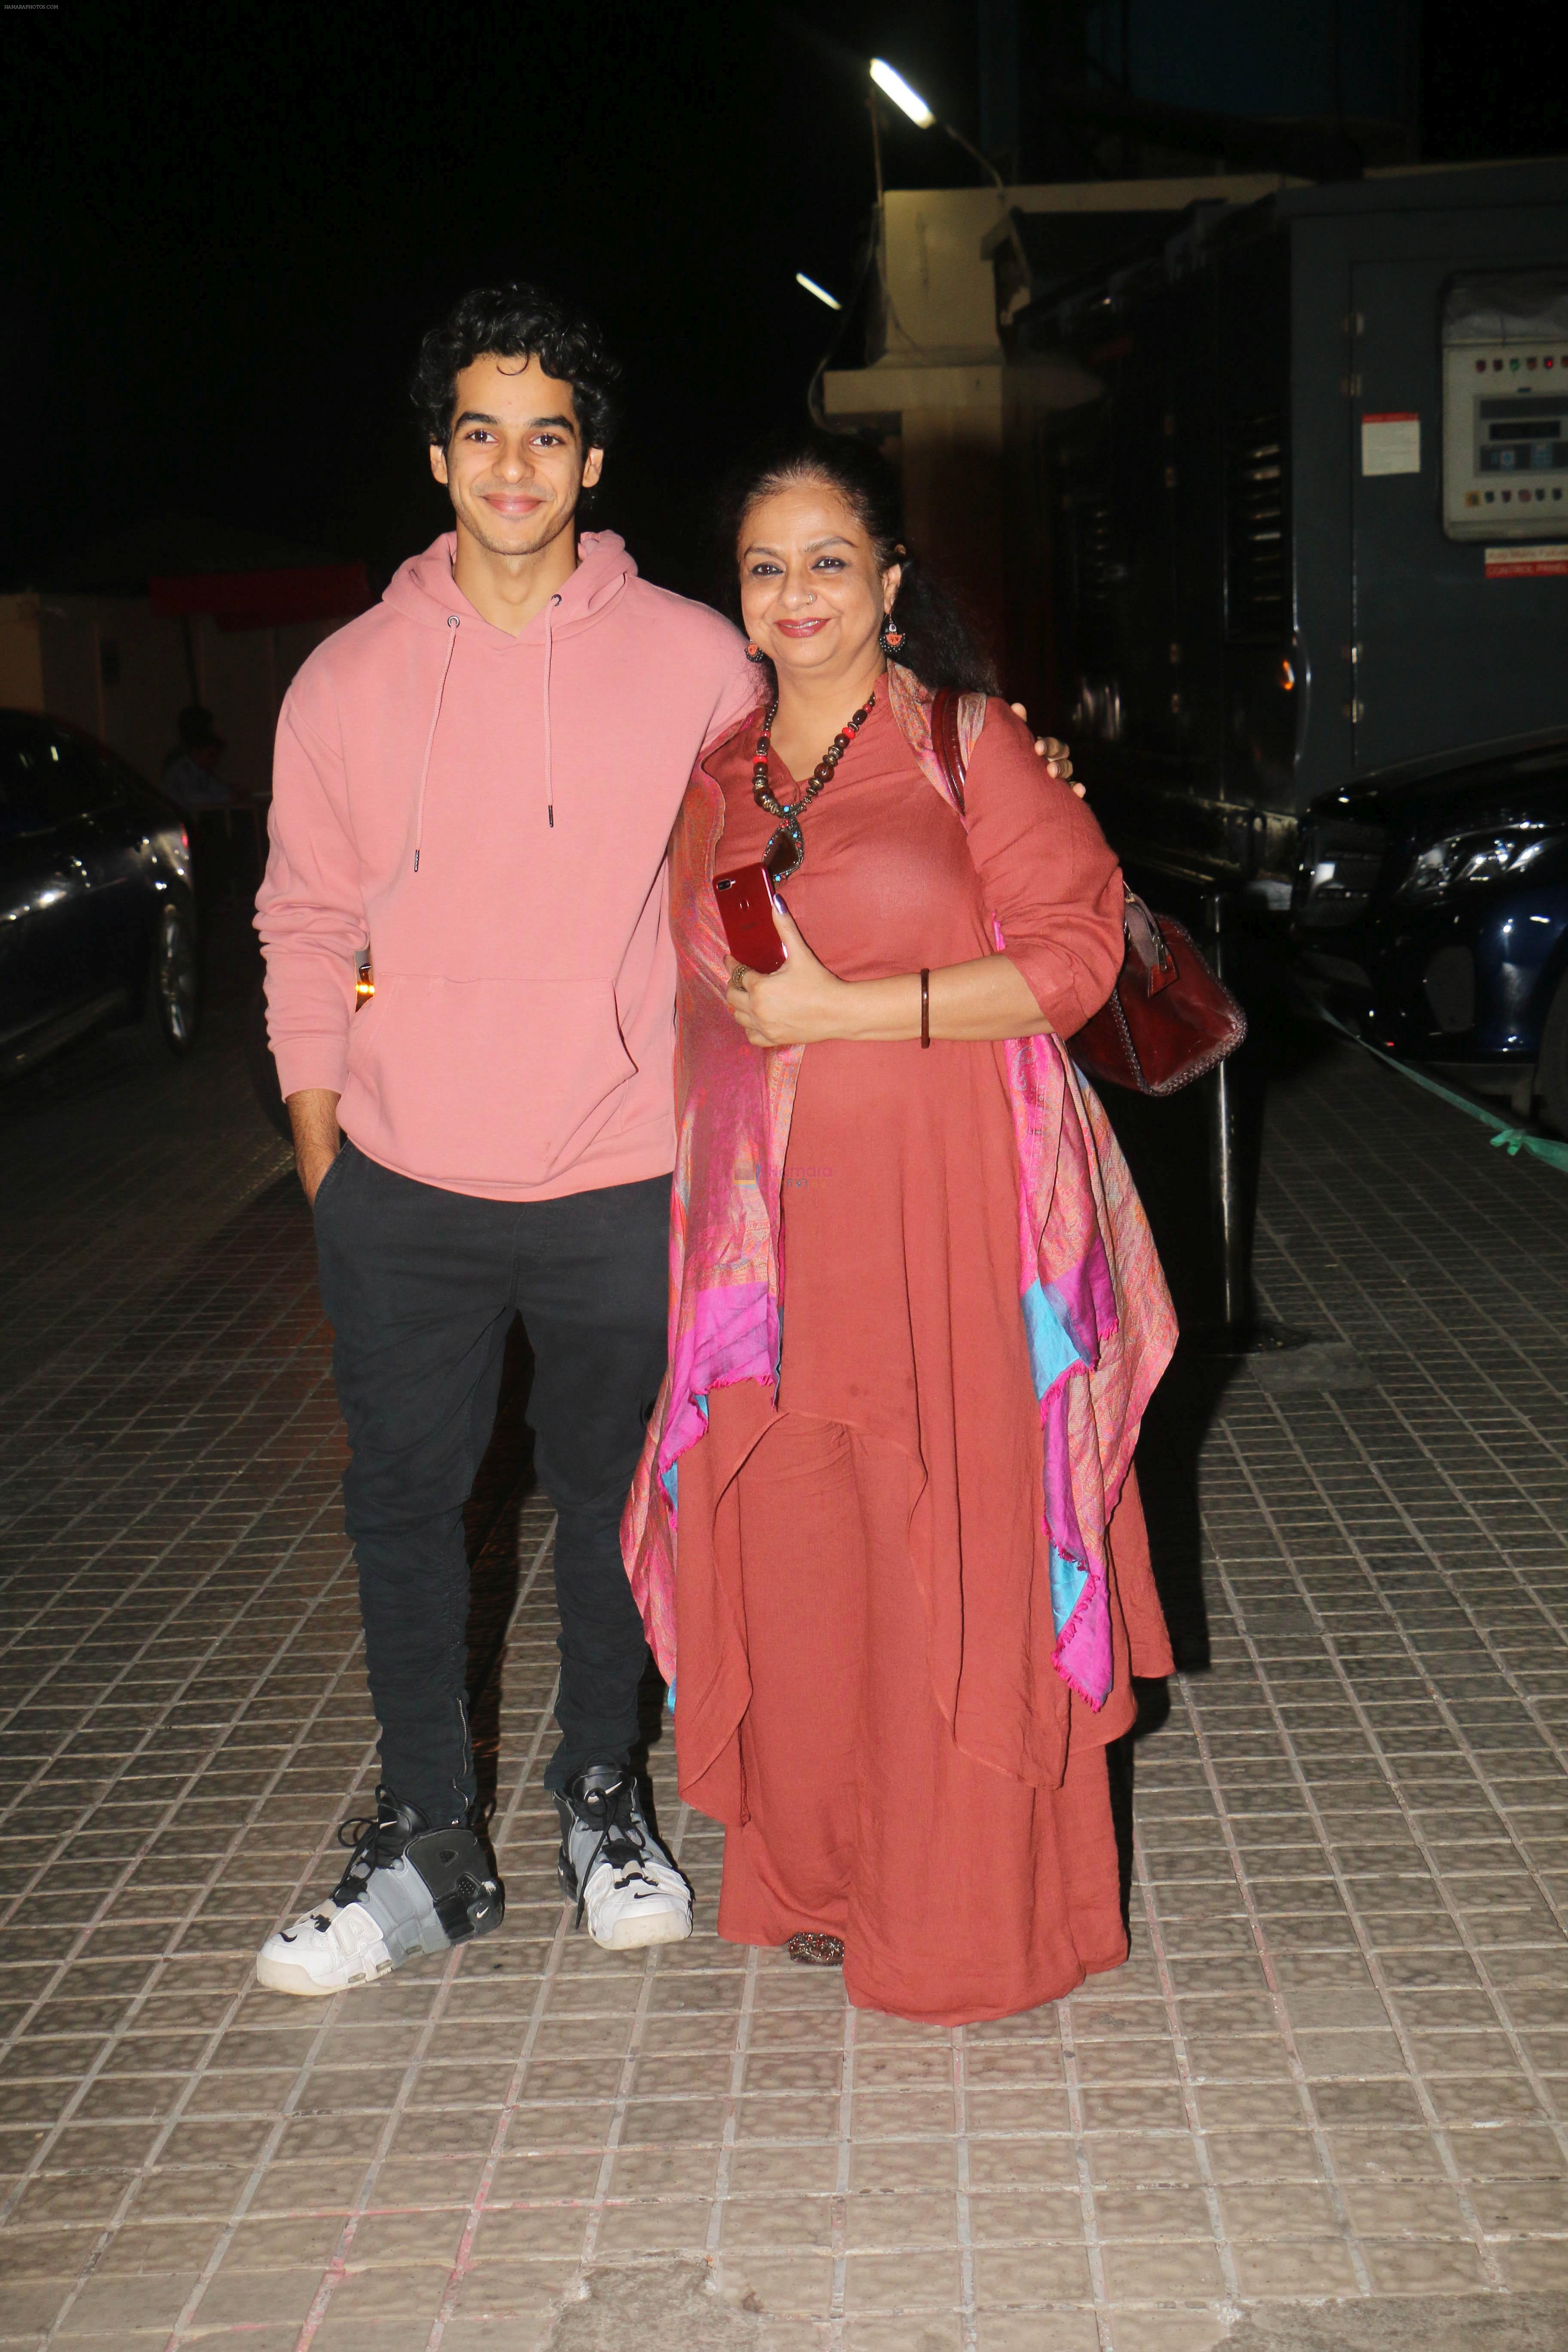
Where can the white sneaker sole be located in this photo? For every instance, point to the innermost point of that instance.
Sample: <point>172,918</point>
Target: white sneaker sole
<point>281,1976</point>
<point>643,1927</point>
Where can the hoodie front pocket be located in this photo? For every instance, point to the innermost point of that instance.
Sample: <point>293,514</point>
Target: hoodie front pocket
<point>497,1082</point>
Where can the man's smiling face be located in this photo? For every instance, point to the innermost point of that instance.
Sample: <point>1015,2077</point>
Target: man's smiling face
<point>514,462</point>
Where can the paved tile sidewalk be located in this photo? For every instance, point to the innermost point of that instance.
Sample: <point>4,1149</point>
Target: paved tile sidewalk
<point>1336,2064</point>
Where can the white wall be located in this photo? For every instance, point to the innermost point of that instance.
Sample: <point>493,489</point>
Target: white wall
<point>110,665</point>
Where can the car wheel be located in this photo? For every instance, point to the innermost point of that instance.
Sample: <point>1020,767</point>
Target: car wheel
<point>174,990</point>
<point>1551,1069</point>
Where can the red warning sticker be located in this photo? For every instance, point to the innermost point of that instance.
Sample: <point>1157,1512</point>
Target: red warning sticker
<point>1525,562</point>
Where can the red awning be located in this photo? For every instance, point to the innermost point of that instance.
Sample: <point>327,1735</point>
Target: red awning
<point>264,600</point>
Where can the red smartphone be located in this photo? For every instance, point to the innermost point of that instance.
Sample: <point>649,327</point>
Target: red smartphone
<point>746,910</point>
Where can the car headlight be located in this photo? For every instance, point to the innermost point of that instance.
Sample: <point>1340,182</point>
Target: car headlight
<point>1462,857</point>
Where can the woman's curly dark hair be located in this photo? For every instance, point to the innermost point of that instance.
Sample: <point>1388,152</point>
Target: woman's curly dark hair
<point>516,322</point>
<point>941,643</point>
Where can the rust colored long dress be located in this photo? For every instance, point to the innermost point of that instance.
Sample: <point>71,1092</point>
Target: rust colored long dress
<point>859,1697</point>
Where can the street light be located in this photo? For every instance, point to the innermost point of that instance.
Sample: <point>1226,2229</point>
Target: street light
<point>908,102</point>
<point>893,85</point>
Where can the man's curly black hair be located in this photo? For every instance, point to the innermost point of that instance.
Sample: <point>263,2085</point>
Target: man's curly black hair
<point>516,322</point>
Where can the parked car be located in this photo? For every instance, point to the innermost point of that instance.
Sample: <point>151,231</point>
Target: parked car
<point>1431,915</point>
<point>98,917</point>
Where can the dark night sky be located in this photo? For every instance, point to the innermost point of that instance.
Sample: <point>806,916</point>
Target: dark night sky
<point>224,228</point>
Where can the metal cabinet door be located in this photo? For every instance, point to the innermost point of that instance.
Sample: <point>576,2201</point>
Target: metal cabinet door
<point>1447,660</point>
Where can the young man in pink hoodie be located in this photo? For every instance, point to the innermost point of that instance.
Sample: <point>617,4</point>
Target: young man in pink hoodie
<point>476,782</point>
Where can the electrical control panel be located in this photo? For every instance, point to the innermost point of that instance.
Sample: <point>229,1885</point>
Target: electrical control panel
<point>1505,407</point>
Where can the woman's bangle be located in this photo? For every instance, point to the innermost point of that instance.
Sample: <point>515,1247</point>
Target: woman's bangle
<point>925,1008</point>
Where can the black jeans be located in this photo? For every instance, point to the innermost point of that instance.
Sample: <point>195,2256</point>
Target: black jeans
<point>420,1285</point>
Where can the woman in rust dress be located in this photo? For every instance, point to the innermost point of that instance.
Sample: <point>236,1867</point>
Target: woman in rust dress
<point>869,1693</point>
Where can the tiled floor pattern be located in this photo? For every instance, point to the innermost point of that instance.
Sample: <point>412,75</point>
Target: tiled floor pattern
<point>1336,2064</point>
<point>116,1163</point>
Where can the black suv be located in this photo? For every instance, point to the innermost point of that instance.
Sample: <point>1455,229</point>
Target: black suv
<point>1431,915</point>
<point>96,911</point>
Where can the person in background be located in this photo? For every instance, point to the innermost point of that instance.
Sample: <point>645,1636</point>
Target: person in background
<point>190,771</point>
<point>223,816</point>
<point>885,1533</point>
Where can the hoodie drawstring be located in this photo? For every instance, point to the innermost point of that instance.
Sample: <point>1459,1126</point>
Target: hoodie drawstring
<point>454,623</point>
<point>549,768</point>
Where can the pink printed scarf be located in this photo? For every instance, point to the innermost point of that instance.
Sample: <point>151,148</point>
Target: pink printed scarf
<point>1096,1311</point>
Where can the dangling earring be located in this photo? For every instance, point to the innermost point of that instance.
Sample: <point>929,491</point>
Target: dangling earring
<point>892,637</point>
<point>754,653</point>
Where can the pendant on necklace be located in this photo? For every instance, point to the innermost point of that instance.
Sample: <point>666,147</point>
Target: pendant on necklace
<point>788,843</point>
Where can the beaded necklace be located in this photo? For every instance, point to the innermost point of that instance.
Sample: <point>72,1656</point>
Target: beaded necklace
<point>788,841</point>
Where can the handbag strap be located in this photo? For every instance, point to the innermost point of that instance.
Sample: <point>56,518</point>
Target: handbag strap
<point>1144,934</point>
<point>947,742</point>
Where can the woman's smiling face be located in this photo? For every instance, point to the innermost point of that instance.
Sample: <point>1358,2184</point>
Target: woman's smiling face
<point>813,595</point>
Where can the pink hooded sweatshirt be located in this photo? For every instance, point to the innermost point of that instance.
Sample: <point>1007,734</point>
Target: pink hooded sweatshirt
<point>489,815</point>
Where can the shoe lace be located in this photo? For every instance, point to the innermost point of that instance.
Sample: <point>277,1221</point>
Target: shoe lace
<point>362,1833</point>
<point>620,1841</point>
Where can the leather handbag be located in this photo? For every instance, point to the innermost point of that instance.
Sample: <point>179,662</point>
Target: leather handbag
<point>1169,1018</point>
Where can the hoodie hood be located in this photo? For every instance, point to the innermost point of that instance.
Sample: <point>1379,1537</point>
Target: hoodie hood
<point>423,589</point>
